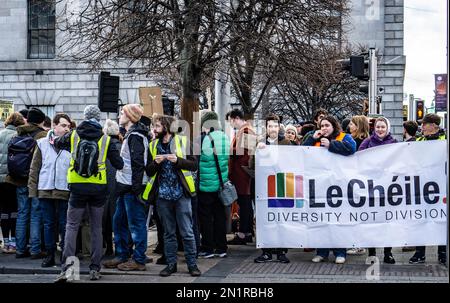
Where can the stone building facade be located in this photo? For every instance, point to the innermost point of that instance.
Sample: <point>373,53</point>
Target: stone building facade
<point>57,85</point>
<point>379,24</point>
<point>52,84</point>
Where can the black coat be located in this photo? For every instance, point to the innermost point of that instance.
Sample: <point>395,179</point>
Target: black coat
<point>90,130</point>
<point>137,152</point>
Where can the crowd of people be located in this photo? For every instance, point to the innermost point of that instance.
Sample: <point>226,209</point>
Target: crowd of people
<point>124,176</point>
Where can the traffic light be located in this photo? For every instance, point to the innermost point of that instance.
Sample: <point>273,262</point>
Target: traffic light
<point>420,109</point>
<point>108,92</point>
<point>358,67</point>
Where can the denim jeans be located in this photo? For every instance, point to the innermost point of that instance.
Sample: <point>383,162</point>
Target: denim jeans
<point>53,211</point>
<point>130,214</point>
<point>29,214</point>
<point>195,229</point>
<point>173,213</point>
<point>338,252</point>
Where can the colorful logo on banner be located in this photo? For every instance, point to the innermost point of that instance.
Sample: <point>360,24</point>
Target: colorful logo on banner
<point>285,190</point>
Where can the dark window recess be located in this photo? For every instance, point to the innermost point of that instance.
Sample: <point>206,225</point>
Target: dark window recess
<point>41,29</point>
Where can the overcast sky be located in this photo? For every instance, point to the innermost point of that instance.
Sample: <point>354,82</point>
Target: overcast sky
<point>425,46</point>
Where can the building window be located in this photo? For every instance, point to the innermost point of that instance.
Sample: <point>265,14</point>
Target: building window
<point>41,29</point>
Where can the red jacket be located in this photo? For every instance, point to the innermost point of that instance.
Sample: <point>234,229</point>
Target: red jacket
<point>240,156</point>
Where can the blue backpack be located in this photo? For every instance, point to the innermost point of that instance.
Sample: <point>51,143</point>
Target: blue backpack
<point>20,154</point>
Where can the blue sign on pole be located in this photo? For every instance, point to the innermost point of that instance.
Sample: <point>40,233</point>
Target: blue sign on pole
<point>440,98</point>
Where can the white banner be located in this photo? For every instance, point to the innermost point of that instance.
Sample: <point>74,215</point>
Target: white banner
<point>392,195</point>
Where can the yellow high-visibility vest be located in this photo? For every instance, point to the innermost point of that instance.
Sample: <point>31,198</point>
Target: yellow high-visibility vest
<point>100,177</point>
<point>180,144</point>
<point>441,137</point>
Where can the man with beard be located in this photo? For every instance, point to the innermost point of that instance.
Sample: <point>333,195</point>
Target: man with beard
<point>171,183</point>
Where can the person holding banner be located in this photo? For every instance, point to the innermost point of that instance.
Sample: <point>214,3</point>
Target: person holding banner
<point>273,138</point>
<point>381,136</point>
<point>331,136</point>
<point>359,129</point>
<point>430,131</point>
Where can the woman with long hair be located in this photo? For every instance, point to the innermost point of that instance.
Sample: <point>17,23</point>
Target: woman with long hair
<point>331,136</point>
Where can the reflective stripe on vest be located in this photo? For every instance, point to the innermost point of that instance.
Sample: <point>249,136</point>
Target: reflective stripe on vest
<point>180,145</point>
<point>100,177</point>
<point>441,137</point>
<point>340,137</point>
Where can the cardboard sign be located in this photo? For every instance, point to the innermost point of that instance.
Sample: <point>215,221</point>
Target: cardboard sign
<point>151,100</point>
<point>6,109</point>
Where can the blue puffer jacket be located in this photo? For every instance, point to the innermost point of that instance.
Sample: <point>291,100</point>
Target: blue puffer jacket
<point>209,177</point>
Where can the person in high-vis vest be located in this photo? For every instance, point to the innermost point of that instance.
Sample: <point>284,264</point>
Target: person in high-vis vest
<point>130,216</point>
<point>171,183</point>
<point>87,193</point>
<point>331,136</point>
<point>430,131</point>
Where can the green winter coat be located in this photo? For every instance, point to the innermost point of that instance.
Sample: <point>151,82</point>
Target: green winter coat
<point>5,136</point>
<point>209,177</point>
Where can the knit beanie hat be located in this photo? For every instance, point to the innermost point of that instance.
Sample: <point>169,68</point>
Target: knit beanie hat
<point>134,112</point>
<point>291,127</point>
<point>208,116</point>
<point>35,115</point>
<point>92,112</point>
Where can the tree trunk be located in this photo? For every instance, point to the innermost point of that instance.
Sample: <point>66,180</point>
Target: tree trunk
<point>189,106</point>
<point>190,83</point>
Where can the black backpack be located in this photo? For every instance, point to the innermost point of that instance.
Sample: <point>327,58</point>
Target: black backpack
<point>86,157</point>
<point>20,155</point>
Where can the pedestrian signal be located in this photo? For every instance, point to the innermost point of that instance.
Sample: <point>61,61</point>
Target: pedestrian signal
<point>420,108</point>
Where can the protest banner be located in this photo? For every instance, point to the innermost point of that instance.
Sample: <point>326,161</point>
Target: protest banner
<point>391,195</point>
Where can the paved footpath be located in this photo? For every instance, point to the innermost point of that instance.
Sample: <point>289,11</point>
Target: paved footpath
<point>239,267</point>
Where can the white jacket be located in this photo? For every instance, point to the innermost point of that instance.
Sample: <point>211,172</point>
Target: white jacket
<point>53,173</point>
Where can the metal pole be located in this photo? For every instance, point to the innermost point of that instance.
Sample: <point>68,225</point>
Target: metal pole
<point>373,81</point>
<point>412,108</point>
<point>448,125</point>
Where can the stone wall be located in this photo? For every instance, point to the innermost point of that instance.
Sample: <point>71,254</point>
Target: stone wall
<point>63,85</point>
<point>13,29</point>
<point>391,71</point>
